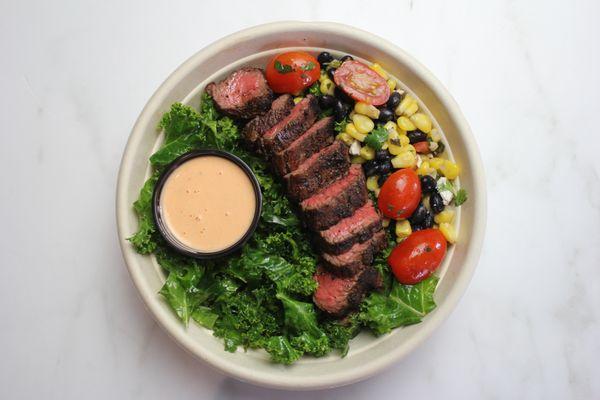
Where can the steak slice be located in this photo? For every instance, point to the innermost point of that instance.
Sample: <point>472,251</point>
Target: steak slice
<point>359,255</point>
<point>319,135</point>
<point>355,229</point>
<point>338,296</point>
<point>282,134</point>
<point>320,170</point>
<point>243,94</point>
<point>255,129</point>
<point>337,201</point>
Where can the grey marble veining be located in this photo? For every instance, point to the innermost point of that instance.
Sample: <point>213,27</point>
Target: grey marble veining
<point>73,78</point>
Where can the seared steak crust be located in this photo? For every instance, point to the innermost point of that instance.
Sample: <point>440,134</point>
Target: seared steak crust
<point>282,134</point>
<point>256,128</point>
<point>318,136</point>
<point>320,170</point>
<point>359,255</point>
<point>337,201</point>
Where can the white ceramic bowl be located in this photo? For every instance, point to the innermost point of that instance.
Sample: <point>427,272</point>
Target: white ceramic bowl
<point>253,46</point>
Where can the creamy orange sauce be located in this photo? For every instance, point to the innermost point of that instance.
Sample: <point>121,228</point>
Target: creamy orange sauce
<point>208,203</point>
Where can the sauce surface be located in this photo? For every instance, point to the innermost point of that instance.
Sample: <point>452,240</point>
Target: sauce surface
<point>208,203</point>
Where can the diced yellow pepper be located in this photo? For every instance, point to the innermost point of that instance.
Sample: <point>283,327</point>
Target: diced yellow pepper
<point>448,231</point>
<point>445,216</point>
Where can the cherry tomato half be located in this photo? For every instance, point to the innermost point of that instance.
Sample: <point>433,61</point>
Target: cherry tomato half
<point>362,83</point>
<point>292,72</point>
<point>417,256</point>
<point>400,194</point>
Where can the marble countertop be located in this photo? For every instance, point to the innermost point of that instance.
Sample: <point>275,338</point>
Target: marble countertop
<point>74,76</point>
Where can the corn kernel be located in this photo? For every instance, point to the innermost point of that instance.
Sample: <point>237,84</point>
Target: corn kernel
<point>413,108</point>
<point>323,76</point>
<point>435,135</point>
<point>449,169</point>
<point>298,99</point>
<point>379,69</point>
<point>448,231</point>
<point>406,102</point>
<point>327,87</point>
<point>354,133</point>
<point>366,109</point>
<point>394,149</point>
<point>384,146</point>
<point>406,124</point>
<point>405,159</point>
<point>358,160</point>
<point>404,140</point>
<point>392,129</point>
<point>367,153</point>
<point>363,123</point>
<point>376,192</point>
<point>422,122</point>
<point>392,83</point>
<point>425,169</point>
<point>385,222</point>
<point>344,137</point>
<point>372,183</point>
<point>403,229</point>
<point>436,163</point>
<point>445,216</point>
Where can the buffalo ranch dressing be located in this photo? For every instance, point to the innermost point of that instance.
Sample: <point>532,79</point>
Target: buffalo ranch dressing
<point>208,203</point>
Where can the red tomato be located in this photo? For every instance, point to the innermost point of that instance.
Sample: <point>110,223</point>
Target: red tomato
<point>292,72</point>
<point>421,147</point>
<point>400,194</point>
<point>418,256</point>
<point>362,83</point>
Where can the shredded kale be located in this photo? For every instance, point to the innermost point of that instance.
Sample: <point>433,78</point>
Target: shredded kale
<point>260,297</point>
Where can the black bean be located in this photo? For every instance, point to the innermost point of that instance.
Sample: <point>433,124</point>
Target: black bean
<point>327,101</point>
<point>394,100</point>
<point>381,180</point>
<point>324,58</point>
<point>370,168</point>
<point>419,215</point>
<point>428,184</point>
<point>440,149</point>
<point>416,136</point>
<point>428,221</point>
<point>436,203</point>
<point>382,155</point>
<point>340,94</point>
<point>340,110</point>
<point>385,115</point>
<point>331,72</point>
<point>385,167</point>
<point>346,58</point>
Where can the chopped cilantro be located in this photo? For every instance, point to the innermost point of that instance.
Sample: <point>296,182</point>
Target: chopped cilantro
<point>341,125</point>
<point>377,137</point>
<point>283,68</point>
<point>461,197</point>
<point>309,66</point>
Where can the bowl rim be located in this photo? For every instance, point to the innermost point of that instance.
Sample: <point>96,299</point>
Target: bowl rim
<point>434,320</point>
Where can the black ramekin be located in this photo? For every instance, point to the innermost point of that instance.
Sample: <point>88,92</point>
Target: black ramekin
<point>161,225</point>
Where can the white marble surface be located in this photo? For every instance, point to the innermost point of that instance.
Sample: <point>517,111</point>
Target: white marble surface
<point>74,76</point>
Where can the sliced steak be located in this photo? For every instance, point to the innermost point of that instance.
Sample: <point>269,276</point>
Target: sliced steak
<point>319,135</point>
<point>336,201</point>
<point>359,255</point>
<point>243,94</point>
<point>255,129</point>
<point>303,115</point>
<point>320,170</point>
<point>338,296</point>
<point>357,228</point>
